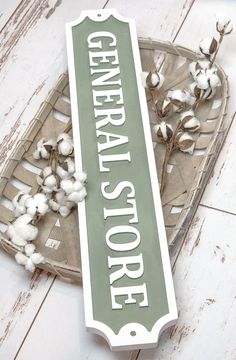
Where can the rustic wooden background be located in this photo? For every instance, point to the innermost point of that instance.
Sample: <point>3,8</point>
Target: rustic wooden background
<point>42,316</point>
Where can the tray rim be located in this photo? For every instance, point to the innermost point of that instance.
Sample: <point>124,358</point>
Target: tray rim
<point>207,164</point>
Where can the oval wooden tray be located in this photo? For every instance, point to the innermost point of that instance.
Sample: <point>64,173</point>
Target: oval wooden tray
<point>58,238</point>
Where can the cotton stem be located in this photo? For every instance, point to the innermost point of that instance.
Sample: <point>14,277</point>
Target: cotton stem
<point>217,50</point>
<point>170,147</point>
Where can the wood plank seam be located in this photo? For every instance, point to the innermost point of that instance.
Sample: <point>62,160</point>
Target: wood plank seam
<point>36,314</point>
<point>10,17</point>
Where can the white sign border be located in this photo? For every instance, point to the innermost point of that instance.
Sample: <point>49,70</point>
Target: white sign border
<point>143,339</point>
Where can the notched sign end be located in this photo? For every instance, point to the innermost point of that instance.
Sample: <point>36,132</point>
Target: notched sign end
<point>134,336</point>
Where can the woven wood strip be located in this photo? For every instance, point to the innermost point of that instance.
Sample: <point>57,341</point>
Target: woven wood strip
<point>186,180</point>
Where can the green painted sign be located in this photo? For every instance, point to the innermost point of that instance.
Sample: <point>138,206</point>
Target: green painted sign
<point>128,290</point>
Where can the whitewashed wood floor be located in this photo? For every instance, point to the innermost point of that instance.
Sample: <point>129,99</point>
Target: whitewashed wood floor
<point>41,316</point>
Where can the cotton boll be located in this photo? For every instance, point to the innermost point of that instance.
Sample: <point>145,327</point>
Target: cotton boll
<point>46,190</point>
<point>67,186</point>
<point>14,237</point>
<point>195,91</point>
<point>44,148</point>
<point>65,148</point>
<point>60,197</point>
<point>204,64</point>
<point>208,46</point>
<point>19,210</point>
<point>83,194</point>
<point>43,209</point>
<point>71,165</point>
<point>31,258</point>
<point>196,66</point>
<point>152,80</point>
<point>50,181</point>
<point>22,231</point>
<point>185,142</point>
<point>37,258</point>
<point>54,205</point>
<point>64,211</point>
<point>74,196</point>
<point>214,79</point>
<point>64,136</point>
<point>202,81</point>
<point>63,174</point>
<point>81,176</point>
<point>209,93</point>
<point>176,95</point>
<point>44,153</point>
<point>29,249</point>
<point>77,196</point>
<point>164,107</point>
<point>178,99</point>
<point>163,131</point>
<point>78,186</point>
<point>30,265</point>
<point>21,258</point>
<point>17,198</point>
<point>192,125</point>
<point>40,198</point>
<point>66,169</point>
<point>19,203</point>
<point>37,205</point>
<point>24,228</point>
<point>208,78</point>
<point>65,144</point>
<point>224,25</point>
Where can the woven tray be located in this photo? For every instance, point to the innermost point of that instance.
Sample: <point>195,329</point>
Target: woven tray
<point>58,238</point>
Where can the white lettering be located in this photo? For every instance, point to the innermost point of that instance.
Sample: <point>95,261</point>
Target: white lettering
<point>107,75</point>
<point>108,96</point>
<point>98,44</point>
<point>118,190</point>
<point>109,143</point>
<point>124,262</point>
<point>123,229</point>
<point>111,158</point>
<point>103,57</point>
<point>129,291</point>
<point>115,117</point>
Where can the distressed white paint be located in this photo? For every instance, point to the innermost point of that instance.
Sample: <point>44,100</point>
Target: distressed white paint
<point>21,295</point>
<point>40,55</point>
<point>61,330</point>
<point>205,293</point>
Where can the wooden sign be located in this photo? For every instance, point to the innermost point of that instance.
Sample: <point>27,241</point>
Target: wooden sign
<point>128,289</point>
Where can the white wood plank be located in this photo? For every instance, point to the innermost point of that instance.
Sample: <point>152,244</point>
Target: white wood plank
<point>220,192</point>
<point>21,296</point>
<point>204,281</point>
<point>199,24</point>
<point>157,19</point>
<point>7,9</point>
<point>59,330</point>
